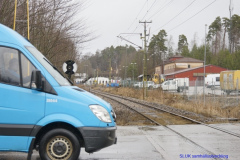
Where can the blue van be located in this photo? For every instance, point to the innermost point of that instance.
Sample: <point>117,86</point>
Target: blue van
<point>40,109</point>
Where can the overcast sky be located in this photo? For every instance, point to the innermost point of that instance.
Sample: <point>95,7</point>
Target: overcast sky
<point>110,18</point>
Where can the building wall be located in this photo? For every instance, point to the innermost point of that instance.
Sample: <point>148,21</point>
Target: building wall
<point>173,67</point>
<point>197,73</point>
<point>169,68</point>
<point>158,70</point>
<point>188,65</point>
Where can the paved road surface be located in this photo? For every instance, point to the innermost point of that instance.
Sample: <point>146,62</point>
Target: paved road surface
<point>158,143</point>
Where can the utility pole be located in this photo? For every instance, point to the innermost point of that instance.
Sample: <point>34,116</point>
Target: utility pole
<point>204,74</point>
<point>97,75</point>
<point>145,57</point>
<point>110,70</point>
<point>15,15</point>
<point>230,31</point>
<point>28,19</point>
<point>133,70</point>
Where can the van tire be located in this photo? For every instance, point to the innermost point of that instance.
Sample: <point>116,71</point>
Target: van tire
<point>59,144</point>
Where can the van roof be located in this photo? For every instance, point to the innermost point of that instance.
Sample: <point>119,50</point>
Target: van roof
<point>8,35</point>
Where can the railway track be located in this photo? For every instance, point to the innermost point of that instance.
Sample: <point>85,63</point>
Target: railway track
<point>127,102</point>
<point>138,105</point>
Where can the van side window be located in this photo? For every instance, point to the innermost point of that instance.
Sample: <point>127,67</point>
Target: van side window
<point>11,70</point>
<point>9,66</point>
<point>27,69</point>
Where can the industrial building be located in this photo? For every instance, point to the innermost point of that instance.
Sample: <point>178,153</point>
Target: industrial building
<point>195,73</point>
<point>177,63</point>
<point>185,67</point>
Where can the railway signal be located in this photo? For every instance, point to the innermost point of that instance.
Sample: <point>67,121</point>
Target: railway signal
<point>69,67</point>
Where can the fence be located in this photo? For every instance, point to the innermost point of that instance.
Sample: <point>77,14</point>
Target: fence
<point>227,95</point>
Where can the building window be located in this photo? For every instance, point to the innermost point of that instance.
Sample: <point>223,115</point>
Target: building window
<point>189,66</point>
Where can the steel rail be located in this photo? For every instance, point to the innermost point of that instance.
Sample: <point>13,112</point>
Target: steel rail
<point>168,128</point>
<point>184,117</point>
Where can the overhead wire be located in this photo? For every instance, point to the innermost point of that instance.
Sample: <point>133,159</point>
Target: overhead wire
<point>160,9</point>
<point>192,16</point>
<point>145,15</point>
<point>178,14</point>
<point>148,10</point>
<point>135,19</point>
<point>137,16</point>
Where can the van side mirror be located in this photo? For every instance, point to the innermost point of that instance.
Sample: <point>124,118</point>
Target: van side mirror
<point>36,80</point>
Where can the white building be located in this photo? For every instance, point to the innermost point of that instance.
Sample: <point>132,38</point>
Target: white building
<point>100,80</point>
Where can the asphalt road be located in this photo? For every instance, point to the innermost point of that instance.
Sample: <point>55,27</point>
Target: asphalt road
<point>158,143</point>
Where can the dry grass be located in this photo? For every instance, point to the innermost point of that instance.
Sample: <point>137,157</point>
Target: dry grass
<point>211,109</point>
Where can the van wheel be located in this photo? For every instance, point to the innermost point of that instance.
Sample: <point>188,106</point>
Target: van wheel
<point>59,144</point>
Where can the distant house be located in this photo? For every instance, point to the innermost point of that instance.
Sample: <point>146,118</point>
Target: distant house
<point>195,73</point>
<point>79,77</point>
<point>98,80</point>
<point>177,63</point>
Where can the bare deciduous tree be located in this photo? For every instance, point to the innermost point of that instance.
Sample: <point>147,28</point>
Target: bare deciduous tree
<point>55,28</point>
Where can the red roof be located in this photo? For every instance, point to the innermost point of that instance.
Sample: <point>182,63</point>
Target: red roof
<point>188,60</point>
<point>190,69</point>
<point>175,58</point>
<point>181,59</point>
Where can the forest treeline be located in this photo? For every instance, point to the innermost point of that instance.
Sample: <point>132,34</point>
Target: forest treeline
<point>222,49</point>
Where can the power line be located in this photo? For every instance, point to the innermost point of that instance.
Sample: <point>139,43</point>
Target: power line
<point>178,14</point>
<point>137,16</point>
<point>161,9</point>
<point>149,9</point>
<point>145,15</point>
<point>191,16</point>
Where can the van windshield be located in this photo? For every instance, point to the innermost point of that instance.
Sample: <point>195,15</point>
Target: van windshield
<point>48,66</point>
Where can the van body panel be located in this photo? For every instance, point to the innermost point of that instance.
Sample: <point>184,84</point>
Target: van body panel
<point>26,109</point>
<point>79,108</point>
<point>19,106</point>
<point>11,37</point>
<point>60,118</point>
<point>14,143</point>
<point>27,106</point>
<point>81,96</point>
